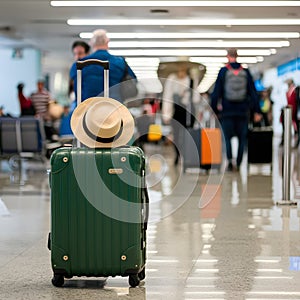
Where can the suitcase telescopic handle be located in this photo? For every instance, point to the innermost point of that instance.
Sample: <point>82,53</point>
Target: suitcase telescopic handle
<point>81,64</point>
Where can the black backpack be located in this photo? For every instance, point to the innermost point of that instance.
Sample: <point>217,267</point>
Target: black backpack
<point>235,87</point>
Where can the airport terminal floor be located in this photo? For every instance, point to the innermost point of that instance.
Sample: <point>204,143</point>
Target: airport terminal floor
<point>214,237</point>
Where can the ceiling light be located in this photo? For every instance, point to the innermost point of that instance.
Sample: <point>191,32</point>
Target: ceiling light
<point>176,3</point>
<point>209,62</point>
<point>273,277</point>
<point>267,260</point>
<point>182,22</point>
<point>260,59</point>
<point>255,52</point>
<point>146,72</point>
<point>145,68</point>
<point>210,75</point>
<point>136,60</point>
<point>196,35</point>
<point>199,44</point>
<point>216,70</point>
<point>168,52</point>
<point>269,270</point>
<point>273,293</point>
<point>142,60</point>
<point>247,60</point>
<point>224,60</point>
<point>212,71</point>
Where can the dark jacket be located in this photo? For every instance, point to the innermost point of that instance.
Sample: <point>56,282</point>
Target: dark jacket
<point>230,108</point>
<point>92,76</point>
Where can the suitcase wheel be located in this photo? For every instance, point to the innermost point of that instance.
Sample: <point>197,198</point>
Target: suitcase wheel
<point>134,280</point>
<point>58,280</point>
<point>142,274</point>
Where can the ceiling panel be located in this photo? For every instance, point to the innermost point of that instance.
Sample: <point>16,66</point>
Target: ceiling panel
<point>36,23</point>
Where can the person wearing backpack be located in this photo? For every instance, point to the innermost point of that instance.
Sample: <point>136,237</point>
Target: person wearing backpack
<point>233,96</point>
<point>292,98</point>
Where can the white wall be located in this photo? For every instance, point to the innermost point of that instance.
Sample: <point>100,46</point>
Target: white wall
<point>58,72</point>
<point>14,70</point>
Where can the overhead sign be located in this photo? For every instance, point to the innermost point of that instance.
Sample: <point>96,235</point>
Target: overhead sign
<point>291,66</point>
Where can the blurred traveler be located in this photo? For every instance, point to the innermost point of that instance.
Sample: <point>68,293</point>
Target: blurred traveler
<point>80,49</point>
<point>266,107</point>
<point>40,100</point>
<point>292,102</point>
<point>92,76</point>
<point>178,110</point>
<point>233,96</point>
<point>3,114</point>
<point>142,125</point>
<point>204,115</point>
<point>26,106</point>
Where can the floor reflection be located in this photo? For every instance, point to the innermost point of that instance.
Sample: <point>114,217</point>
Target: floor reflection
<point>209,236</point>
<point>31,177</point>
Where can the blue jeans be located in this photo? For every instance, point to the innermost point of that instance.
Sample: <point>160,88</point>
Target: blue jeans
<point>235,126</point>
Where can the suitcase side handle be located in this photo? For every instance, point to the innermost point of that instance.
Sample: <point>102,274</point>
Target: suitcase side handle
<point>81,64</point>
<point>146,195</point>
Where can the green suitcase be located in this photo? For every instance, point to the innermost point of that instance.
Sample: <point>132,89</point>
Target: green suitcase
<point>99,213</point>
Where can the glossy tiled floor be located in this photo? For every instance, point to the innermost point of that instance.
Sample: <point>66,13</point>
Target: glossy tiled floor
<point>210,237</point>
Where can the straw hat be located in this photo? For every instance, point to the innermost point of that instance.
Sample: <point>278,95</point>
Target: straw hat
<point>101,122</point>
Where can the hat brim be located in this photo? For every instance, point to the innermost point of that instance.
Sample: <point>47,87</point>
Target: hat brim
<point>78,128</point>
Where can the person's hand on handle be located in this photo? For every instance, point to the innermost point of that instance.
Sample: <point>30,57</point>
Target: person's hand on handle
<point>257,117</point>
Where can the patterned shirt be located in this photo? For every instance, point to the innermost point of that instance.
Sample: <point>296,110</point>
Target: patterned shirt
<point>40,101</point>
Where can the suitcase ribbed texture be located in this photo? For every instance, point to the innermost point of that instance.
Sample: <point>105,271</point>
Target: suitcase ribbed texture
<point>85,241</point>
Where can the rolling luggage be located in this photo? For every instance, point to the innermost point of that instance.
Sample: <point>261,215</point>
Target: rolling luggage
<point>202,148</point>
<point>260,145</point>
<point>99,211</point>
<point>211,148</point>
<point>191,148</point>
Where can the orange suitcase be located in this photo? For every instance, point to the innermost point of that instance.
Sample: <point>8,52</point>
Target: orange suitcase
<point>211,148</point>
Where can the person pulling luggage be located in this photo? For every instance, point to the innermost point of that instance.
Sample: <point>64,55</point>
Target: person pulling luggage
<point>178,107</point>
<point>235,91</point>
